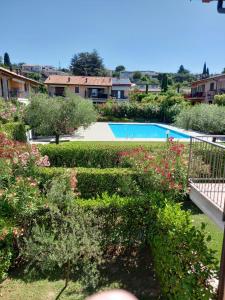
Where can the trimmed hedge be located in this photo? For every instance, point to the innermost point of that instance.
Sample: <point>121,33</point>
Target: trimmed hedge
<point>91,154</point>
<point>93,182</point>
<point>126,219</point>
<point>15,131</point>
<point>183,263</point>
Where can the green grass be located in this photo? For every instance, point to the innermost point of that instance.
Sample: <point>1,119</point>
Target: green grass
<point>131,270</point>
<point>211,228</point>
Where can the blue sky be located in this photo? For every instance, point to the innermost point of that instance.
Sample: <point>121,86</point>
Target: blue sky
<point>140,34</point>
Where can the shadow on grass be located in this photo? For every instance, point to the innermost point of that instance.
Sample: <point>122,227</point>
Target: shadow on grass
<point>131,270</point>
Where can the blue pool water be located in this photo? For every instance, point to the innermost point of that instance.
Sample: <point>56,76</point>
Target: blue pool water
<point>144,131</point>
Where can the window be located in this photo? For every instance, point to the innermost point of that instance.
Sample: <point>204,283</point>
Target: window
<point>212,86</point>
<point>77,90</point>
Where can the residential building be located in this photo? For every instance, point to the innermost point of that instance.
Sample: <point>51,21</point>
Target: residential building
<point>152,88</point>
<point>43,70</point>
<point>130,74</point>
<point>120,88</point>
<point>96,88</point>
<point>31,68</point>
<point>13,85</point>
<point>204,90</point>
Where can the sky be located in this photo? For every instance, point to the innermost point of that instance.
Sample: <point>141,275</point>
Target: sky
<point>157,35</point>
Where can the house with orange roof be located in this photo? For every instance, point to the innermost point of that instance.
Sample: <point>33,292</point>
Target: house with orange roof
<point>204,90</point>
<point>13,85</point>
<point>98,89</point>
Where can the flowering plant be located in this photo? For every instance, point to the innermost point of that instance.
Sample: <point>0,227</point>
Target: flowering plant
<point>21,199</point>
<point>163,171</point>
<point>21,156</point>
<point>10,112</point>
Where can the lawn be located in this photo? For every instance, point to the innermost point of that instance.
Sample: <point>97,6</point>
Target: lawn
<point>132,271</point>
<point>211,228</point>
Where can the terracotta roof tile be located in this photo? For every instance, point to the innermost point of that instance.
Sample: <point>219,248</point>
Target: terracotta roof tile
<point>79,80</point>
<point>13,74</point>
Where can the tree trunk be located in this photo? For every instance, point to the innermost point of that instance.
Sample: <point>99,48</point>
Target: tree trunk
<point>146,89</point>
<point>66,281</point>
<point>57,139</point>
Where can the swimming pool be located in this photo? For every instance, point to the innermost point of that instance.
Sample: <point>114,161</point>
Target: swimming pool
<point>149,131</point>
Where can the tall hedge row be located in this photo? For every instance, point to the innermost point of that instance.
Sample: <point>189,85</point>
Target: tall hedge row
<point>91,154</point>
<point>93,182</point>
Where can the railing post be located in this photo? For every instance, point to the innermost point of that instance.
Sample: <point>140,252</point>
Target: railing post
<point>189,162</point>
<point>221,287</point>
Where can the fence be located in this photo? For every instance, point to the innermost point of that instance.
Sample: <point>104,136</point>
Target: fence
<point>207,167</point>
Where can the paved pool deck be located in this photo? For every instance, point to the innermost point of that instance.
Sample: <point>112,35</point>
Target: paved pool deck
<point>100,131</point>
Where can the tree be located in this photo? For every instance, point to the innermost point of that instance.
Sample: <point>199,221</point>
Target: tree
<point>137,75</point>
<point>7,62</point>
<point>182,70</point>
<point>120,68</point>
<point>1,61</point>
<point>59,115</point>
<point>147,81</point>
<point>223,72</point>
<point>164,82</point>
<point>205,72</point>
<point>87,64</point>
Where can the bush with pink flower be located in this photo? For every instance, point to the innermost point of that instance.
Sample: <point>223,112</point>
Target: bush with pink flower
<point>11,111</point>
<point>163,171</point>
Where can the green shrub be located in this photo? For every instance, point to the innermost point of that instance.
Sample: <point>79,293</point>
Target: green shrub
<point>204,118</point>
<point>6,248</point>
<point>183,263</point>
<point>161,107</point>
<point>219,100</point>
<point>182,260</point>
<point>15,131</point>
<point>90,154</point>
<point>93,182</point>
<point>125,218</point>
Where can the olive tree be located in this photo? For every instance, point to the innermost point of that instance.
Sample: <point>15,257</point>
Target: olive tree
<point>59,115</point>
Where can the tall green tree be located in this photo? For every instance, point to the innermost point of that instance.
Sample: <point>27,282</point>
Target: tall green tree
<point>182,70</point>
<point>7,61</point>
<point>87,64</point>
<point>223,72</point>
<point>120,68</point>
<point>59,115</point>
<point>164,82</point>
<point>1,61</point>
<point>137,75</point>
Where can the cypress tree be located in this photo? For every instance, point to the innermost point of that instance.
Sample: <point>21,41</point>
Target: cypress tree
<point>7,60</point>
<point>204,73</point>
<point>164,83</point>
